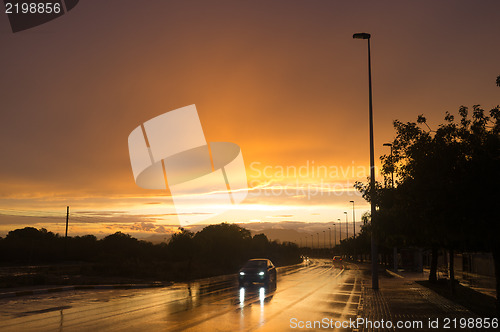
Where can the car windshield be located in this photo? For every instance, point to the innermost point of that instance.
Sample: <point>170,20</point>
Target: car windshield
<point>256,264</point>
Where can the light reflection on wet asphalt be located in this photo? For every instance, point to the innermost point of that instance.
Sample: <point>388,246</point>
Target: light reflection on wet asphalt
<point>305,293</point>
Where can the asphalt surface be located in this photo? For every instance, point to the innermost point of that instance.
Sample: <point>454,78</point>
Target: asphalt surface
<point>308,292</point>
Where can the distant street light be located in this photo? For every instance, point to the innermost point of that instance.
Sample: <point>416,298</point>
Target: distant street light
<point>335,235</point>
<point>353,230</point>
<point>374,246</point>
<point>392,168</point>
<point>353,221</point>
<point>340,230</point>
<point>346,226</point>
<point>330,241</point>
<point>324,239</point>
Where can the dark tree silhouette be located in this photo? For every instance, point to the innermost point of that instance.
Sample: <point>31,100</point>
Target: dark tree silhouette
<point>215,250</point>
<point>445,179</point>
<point>498,80</point>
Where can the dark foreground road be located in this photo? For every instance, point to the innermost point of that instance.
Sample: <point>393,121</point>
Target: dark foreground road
<point>313,292</point>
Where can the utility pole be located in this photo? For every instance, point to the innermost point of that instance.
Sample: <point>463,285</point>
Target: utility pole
<point>67,220</point>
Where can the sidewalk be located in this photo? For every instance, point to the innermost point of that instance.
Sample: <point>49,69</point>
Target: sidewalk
<point>477,282</point>
<point>401,300</point>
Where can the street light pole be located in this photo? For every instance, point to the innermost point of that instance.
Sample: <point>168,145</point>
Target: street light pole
<point>346,225</point>
<point>318,239</point>
<point>353,230</point>
<point>330,238</point>
<point>324,239</point>
<point>335,235</point>
<point>312,241</point>
<point>353,221</point>
<point>340,230</point>
<point>374,247</point>
<point>392,169</point>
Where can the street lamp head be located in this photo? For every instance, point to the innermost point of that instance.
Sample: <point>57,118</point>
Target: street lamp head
<point>387,144</point>
<point>345,212</point>
<point>361,35</point>
<point>351,201</point>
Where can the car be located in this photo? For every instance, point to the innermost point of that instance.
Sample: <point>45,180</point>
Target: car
<point>337,261</point>
<point>257,271</point>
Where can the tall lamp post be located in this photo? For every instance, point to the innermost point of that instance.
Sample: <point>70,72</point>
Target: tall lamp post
<point>392,170</point>
<point>324,239</point>
<point>353,230</point>
<point>353,221</point>
<point>374,247</point>
<point>334,235</point>
<point>312,241</point>
<point>318,239</point>
<point>346,225</point>
<point>395,249</point>
<point>330,238</point>
<point>340,230</point>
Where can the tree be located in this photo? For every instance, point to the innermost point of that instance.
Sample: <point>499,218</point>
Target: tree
<point>498,80</point>
<point>181,245</point>
<point>223,244</point>
<point>444,179</point>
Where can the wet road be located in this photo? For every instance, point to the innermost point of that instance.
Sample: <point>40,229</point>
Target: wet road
<point>314,292</point>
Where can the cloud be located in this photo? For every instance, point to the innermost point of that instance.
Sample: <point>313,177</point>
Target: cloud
<point>100,213</point>
<point>161,229</point>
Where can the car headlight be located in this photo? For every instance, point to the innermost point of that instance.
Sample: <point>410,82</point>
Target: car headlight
<point>242,273</point>
<point>261,273</point>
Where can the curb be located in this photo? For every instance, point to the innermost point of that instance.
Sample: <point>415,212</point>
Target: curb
<point>81,287</point>
<point>394,274</point>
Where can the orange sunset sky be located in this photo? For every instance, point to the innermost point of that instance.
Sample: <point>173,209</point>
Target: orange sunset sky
<point>283,79</point>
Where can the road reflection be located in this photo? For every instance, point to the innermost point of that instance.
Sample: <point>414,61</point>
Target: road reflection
<point>249,296</point>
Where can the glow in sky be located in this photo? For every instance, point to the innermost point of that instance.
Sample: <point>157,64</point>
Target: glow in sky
<point>283,79</point>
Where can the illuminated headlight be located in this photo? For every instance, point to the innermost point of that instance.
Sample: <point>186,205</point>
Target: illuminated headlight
<point>242,273</point>
<point>261,273</point>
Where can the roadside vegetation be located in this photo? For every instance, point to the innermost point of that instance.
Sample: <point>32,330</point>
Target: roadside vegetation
<point>445,189</point>
<point>215,250</point>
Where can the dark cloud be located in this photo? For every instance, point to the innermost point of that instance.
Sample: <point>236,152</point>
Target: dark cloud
<point>282,79</point>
